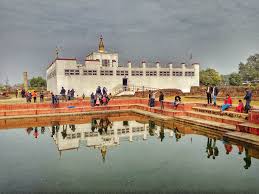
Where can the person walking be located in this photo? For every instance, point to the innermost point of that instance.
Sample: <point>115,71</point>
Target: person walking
<point>248,98</point>
<point>41,96</point>
<point>16,93</point>
<point>215,92</point>
<point>34,95</point>
<point>161,100</point>
<point>209,92</point>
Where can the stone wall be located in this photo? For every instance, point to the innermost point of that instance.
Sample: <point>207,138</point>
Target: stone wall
<point>166,92</point>
<point>223,90</point>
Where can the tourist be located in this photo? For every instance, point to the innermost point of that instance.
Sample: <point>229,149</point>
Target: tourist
<point>109,97</point>
<point>248,98</point>
<point>72,94</point>
<point>215,149</point>
<point>247,159</point>
<point>149,97</point>
<point>177,134</point>
<point>240,149</point>
<point>240,107</point>
<point>98,90</point>
<point>97,103</point>
<point>16,93</point>
<point>227,103</point>
<point>63,93</point>
<point>161,100</point>
<point>28,97</point>
<point>162,133</point>
<point>68,95</point>
<point>209,148</point>
<point>104,100</point>
<point>104,91</point>
<point>34,95</point>
<point>23,93</point>
<point>41,96</point>
<point>177,101</point>
<point>228,147</point>
<point>42,130</point>
<point>64,133</point>
<point>29,130</point>
<point>215,92</point>
<point>56,99</point>
<point>92,101</point>
<point>36,134</point>
<point>152,100</point>
<point>83,96</point>
<point>53,99</point>
<point>209,92</point>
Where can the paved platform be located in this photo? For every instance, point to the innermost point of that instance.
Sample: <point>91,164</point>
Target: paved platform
<point>206,123</point>
<point>239,136</point>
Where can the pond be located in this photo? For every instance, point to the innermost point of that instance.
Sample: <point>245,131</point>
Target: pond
<point>121,153</point>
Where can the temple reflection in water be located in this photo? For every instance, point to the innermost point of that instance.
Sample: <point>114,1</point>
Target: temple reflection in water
<point>103,134</point>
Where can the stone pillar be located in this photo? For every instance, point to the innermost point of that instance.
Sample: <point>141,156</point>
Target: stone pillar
<point>130,134</point>
<point>25,81</point>
<point>145,133</point>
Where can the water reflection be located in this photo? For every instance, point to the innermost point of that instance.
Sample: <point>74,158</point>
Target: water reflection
<point>103,134</point>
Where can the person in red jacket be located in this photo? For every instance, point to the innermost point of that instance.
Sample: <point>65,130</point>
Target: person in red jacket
<point>227,103</point>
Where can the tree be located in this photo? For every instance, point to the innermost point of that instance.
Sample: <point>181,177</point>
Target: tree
<point>250,70</point>
<point>235,79</point>
<point>38,82</point>
<point>209,77</point>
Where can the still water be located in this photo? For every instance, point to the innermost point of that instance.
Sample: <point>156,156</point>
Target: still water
<point>123,153</point>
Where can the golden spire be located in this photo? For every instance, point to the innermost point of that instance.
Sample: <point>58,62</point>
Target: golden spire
<point>101,45</point>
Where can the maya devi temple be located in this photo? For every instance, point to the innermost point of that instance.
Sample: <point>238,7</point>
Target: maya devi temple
<point>102,68</point>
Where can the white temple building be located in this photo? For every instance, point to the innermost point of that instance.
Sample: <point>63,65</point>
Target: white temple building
<point>102,68</point>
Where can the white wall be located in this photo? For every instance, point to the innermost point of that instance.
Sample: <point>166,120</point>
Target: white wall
<point>87,84</point>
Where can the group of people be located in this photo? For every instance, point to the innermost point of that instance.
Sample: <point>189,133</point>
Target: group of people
<point>35,131</point>
<point>101,125</point>
<point>29,96</point>
<point>151,100</point>
<point>213,91</point>
<point>240,108</point>
<point>100,97</point>
<point>70,95</point>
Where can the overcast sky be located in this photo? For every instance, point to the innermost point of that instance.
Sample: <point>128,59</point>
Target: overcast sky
<point>218,33</point>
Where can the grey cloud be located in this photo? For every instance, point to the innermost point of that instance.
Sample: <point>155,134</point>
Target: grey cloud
<point>219,33</point>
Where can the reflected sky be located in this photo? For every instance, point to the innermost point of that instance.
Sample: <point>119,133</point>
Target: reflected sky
<point>106,154</point>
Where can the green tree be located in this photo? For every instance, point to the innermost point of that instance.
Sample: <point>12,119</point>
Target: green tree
<point>38,82</point>
<point>209,77</point>
<point>249,71</point>
<point>235,79</point>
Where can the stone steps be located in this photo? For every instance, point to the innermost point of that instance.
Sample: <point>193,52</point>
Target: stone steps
<point>231,114</point>
<point>243,137</point>
<point>250,128</point>
<point>206,123</point>
<point>216,118</point>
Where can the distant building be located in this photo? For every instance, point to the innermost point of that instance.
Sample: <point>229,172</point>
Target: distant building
<point>102,68</point>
